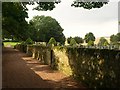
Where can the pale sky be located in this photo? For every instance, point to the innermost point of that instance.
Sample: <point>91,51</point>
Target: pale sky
<point>78,21</point>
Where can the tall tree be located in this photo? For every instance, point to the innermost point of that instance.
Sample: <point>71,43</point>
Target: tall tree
<point>78,40</point>
<point>103,42</point>
<point>115,39</point>
<point>13,20</point>
<point>14,14</point>
<point>73,42</point>
<point>69,39</point>
<point>90,43</point>
<point>52,41</point>
<point>89,37</point>
<point>47,27</point>
<point>118,36</point>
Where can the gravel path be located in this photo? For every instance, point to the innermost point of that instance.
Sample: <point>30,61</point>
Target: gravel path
<point>21,71</point>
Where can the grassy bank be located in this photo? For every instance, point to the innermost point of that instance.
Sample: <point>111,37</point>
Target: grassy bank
<point>10,44</point>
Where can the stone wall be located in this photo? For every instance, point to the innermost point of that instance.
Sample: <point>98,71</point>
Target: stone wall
<point>60,61</point>
<point>95,67</point>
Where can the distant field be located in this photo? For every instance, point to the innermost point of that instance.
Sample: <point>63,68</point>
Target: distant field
<point>10,44</point>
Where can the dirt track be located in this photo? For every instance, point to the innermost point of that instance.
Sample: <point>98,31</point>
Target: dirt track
<point>21,71</point>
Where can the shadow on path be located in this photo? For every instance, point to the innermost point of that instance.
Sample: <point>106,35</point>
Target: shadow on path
<point>21,71</point>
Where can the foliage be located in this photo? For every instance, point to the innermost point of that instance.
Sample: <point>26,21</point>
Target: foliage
<point>69,39</point>
<point>44,6</point>
<point>86,4</point>
<point>90,43</point>
<point>94,68</point>
<point>73,42</point>
<point>15,26</point>
<point>78,40</point>
<point>14,21</point>
<point>103,42</point>
<point>115,39</point>
<point>89,37</point>
<point>52,41</point>
<point>29,41</point>
<point>118,36</point>
<point>90,66</point>
<point>45,28</point>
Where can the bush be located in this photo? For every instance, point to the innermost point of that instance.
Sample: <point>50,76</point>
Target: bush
<point>73,42</point>
<point>103,42</point>
<point>29,41</point>
<point>52,41</point>
<point>91,43</point>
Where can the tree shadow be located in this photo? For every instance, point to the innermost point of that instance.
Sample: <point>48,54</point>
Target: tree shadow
<point>65,82</point>
<point>17,73</point>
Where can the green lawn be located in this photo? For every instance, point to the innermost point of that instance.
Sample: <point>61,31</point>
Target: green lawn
<point>12,44</point>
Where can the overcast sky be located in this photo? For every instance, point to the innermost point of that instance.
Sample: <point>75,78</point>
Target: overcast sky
<point>78,21</point>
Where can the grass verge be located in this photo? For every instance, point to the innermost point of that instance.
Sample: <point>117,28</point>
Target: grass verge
<point>10,44</point>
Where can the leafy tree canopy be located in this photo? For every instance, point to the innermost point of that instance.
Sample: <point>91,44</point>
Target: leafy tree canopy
<point>29,41</point>
<point>69,39</point>
<point>52,41</point>
<point>46,27</point>
<point>73,42</point>
<point>13,20</point>
<point>90,43</point>
<point>103,42</point>
<point>78,40</point>
<point>14,14</point>
<point>89,4</point>
<point>89,37</point>
<point>114,39</point>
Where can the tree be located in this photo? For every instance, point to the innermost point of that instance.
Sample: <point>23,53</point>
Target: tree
<point>14,14</point>
<point>47,27</point>
<point>86,4</point>
<point>44,6</point>
<point>33,34</point>
<point>90,43</point>
<point>78,40</point>
<point>115,39</point>
<point>13,20</point>
<point>89,37</point>
<point>103,42</point>
<point>69,39</point>
<point>52,41</point>
<point>73,42</point>
<point>118,37</point>
<point>29,41</point>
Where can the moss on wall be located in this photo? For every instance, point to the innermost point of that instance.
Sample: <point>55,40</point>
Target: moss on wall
<point>60,60</point>
<point>97,68</point>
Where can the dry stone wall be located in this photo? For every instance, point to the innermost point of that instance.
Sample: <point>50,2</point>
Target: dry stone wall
<point>97,68</point>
